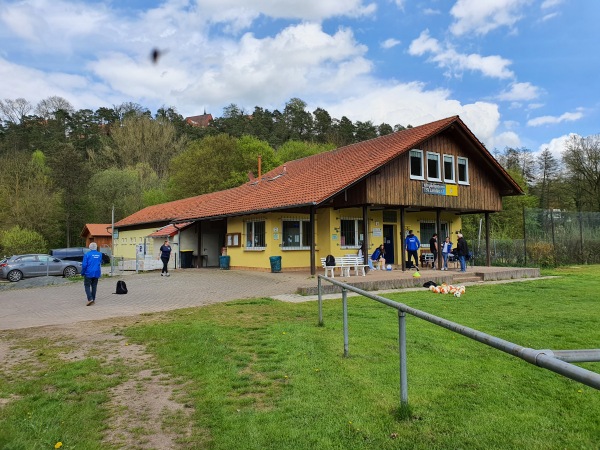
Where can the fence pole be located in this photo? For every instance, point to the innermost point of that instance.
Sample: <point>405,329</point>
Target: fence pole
<point>402,354</point>
<point>345,308</point>
<point>319,286</point>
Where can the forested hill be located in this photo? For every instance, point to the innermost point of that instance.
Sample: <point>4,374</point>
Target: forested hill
<point>62,168</point>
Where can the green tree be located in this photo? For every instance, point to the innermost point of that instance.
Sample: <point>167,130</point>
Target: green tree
<point>582,162</point>
<point>292,150</point>
<point>120,188</point>
<point>17,241</point>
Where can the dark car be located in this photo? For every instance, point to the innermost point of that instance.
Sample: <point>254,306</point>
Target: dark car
<point>75,254</point>
<point>18,267</point>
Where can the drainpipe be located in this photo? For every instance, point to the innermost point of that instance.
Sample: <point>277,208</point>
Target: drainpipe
<point>178,245</point>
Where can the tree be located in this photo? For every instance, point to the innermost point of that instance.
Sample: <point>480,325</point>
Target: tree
<point>343,132</point>
<point>364,131</point>
<point>384,129</point>
<point>48,107</point>
<point>299,122</point>
<point>14,111</point>
<point>292,150</point>
<point>17,241</point>
<point>548,175</point>
<point>582,162</point>
<point>322,125</point>
<point>120,188</point>
<point>143,140</point>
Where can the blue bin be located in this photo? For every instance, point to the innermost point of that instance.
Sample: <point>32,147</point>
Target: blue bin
<point>224,262</point>
<point>275,263</point>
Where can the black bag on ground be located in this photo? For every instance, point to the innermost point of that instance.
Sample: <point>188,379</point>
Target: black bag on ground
<point>329,260</point>
<point>428,284</point>
<point>121,287</point>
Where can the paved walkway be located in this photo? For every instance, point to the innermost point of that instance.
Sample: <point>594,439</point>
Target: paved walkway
<point>149,292</point>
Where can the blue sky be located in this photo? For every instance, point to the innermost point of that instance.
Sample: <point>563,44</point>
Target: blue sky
<point>520,73</point>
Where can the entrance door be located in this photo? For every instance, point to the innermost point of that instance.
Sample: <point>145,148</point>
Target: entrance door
<point>388,243</point>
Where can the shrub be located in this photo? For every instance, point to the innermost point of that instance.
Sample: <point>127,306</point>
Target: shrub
<point>19,240</point>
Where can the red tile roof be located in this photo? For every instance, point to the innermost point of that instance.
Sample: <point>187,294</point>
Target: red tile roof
<point>306,181</point>
<point>169,230</point>
<point>96,229</point>
<point>201,121</point>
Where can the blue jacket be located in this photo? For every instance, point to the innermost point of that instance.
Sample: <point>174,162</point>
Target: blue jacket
<point>412,243</point>
<point>376,254</point>
<point>90,267</point>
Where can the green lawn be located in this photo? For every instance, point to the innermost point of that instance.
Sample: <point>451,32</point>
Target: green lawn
<point>262,374</point>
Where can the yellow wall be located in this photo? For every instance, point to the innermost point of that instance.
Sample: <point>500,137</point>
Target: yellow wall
<point>126,243</point>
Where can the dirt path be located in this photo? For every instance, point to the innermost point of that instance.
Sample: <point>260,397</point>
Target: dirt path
<point>141,407</point>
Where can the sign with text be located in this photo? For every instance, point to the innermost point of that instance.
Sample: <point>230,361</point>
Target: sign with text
<point>440,189</point>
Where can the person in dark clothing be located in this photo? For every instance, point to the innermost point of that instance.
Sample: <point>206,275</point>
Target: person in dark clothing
<point>462,252</point>
<point>91,271</point>
<point>165,255</point>
<point>433,248</point>
<point>378,257</point>
<point>412,246</point>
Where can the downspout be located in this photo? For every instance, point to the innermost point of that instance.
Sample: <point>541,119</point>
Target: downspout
<point>178,244</point>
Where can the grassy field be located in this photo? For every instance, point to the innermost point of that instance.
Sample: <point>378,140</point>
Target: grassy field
<point>261,374</point>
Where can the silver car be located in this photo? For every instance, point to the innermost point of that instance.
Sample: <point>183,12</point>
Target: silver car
<point>18,267</point>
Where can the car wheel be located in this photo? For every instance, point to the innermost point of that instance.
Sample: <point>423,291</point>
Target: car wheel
<point>70,272</point>
<point>15,275</point>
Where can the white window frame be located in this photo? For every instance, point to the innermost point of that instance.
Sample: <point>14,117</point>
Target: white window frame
<point>432,156</point>
<point>253,244</point>
<point>452,177</point>
<point>358,233</point>
<point>411,153</point>
<point>301,225</point>
<point>464,161</point>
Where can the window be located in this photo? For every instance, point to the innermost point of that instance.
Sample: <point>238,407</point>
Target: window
<point>463,170</point>
<point>433,167</point>
<point>255,234</point>
<point>449,169</point>
<point>233,239</point>
<point>351,233</point>
<point>296,234</point>
<point>416,165</point>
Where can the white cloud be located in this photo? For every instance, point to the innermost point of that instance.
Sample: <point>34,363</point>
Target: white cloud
<point>556,145</point>
<point>506,139</point>
<point>550,3</point>
<point>520,92</point>
<point>481,17</point>
<point>390,43</point>
<point>456,63</point>
<point>552,120</point>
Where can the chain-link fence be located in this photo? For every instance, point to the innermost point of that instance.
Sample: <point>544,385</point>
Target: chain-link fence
<point>551,238</point>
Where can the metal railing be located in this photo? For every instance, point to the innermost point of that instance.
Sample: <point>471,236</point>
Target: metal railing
<point>555,360</point>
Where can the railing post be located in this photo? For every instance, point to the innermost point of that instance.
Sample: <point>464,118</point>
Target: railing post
<point>402,354</point>
<point>319,287</point>
<point>345,308</point>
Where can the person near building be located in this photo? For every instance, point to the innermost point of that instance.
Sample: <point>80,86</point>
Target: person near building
<point>433,248</point>
<point>378,257</point>
<point>462,252</point>
<point>91,272</point>
<point>412,246</point>
<point>446,250</point>
<point>165,255</point>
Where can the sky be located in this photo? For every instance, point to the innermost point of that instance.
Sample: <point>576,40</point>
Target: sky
<point>519,73</point>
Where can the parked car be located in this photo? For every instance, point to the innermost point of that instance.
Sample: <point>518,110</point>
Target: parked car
<point>75,254</point>
<point>18,267</point>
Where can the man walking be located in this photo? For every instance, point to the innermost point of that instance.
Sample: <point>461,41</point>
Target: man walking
<point>91,271</point>
<point>433,248</point>
<point>165,255</point>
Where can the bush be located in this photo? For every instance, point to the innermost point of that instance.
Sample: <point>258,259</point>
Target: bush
<point>18,240</point>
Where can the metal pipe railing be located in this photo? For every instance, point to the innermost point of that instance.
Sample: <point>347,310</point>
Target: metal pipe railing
<point>557,361</point>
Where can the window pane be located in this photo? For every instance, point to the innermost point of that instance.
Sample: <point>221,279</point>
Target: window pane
<point>416,163</point>
<point>448,168</point>
<point>291,233</point>
<point>259,234</point>
<point>463,170</point>
<point>427,230</point>
<point>348,232</point>
<point>433,166</point>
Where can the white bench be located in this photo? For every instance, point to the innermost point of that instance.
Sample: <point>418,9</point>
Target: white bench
<point>345,263</point>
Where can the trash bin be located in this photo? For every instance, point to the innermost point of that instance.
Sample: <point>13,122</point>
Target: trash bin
<point>186,259</point>
<point>275,263</point>
<point>224,262</point>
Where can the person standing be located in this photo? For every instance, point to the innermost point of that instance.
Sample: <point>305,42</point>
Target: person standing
<point>433,248</point>
<point>378,257</point>
<point>462,252</point>
<point>165,255</point>
<point>412,246</point>
<point>446,250</point>
<point>91,271</point>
